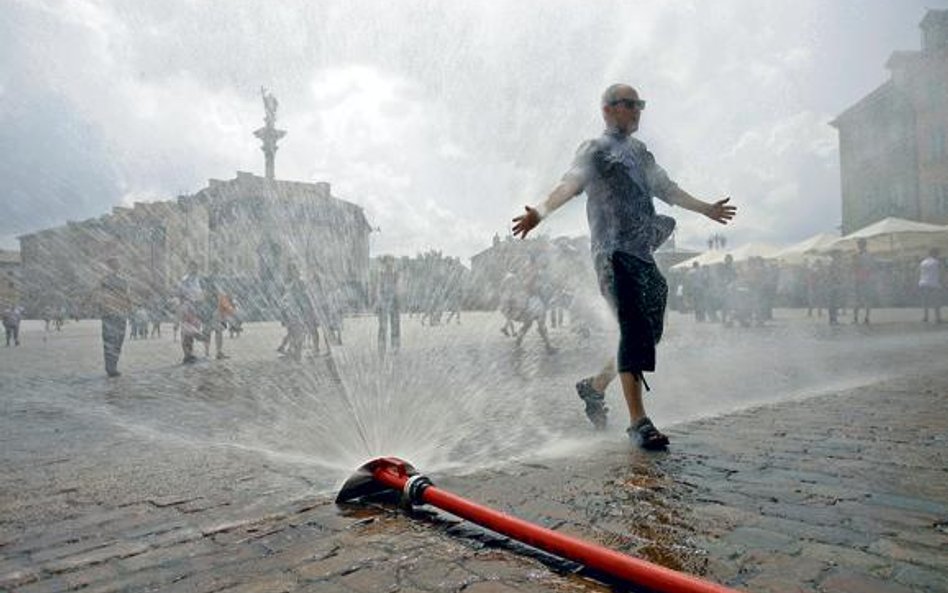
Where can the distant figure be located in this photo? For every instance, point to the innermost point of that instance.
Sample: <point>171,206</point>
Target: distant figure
<point>509,291</point>
<point>727,280</point>
<point>11,324</point>
<point>534,309</point>
<point>832,287</point>
<point>387,306</point>
<point>698,286</point>
<point>814,299</point>
<point>930,284</point>
<point>863,265</point>
<point>115,305</point>
<point>298,311</point>
<point>190,299</point>
<point>453,290</point>
<point>212,317</point>
<point>620,178</point>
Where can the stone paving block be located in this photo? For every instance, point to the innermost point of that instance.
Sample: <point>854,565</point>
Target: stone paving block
<point>46,585</point>
<point>341,561</point>
<point>440,575</point>
<point>921,578</point>
<point>168,555</point>
<point>68,547</point>
<point>151,578</point>
<point>281,582</point>
<point>843,581</point>
<point>756,538</point>
<point>98,573</point>
<point>912,553</point>
<point>113,551</point>
<point>822,533</point>
<point>377,579</point>
<point>844,556</point>
<point>15,574</point>
<point>922,506</point>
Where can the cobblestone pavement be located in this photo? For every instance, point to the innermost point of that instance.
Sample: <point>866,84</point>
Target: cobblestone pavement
<point>174,478</point>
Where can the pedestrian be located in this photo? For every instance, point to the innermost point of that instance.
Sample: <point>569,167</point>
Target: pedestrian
<point>190,298</point>
<point>929,284</point>
<point>212,320</point>
<point>509,306</point>
<point>387,306</point>
<point>534,309</point>
<point>832,287</point>
<point>115,305</point>
<point>297,309</point>
<point>11,324</point>
<point>620,178</point>
<point>862,272</point>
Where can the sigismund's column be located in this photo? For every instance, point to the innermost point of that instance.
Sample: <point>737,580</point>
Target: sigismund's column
<point>269,134</point>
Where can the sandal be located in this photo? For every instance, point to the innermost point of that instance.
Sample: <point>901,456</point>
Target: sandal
<point>644,434</point>
<point>596,409</point>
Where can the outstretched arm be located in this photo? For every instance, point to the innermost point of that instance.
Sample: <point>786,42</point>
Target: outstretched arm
<point>562,193</point>
<point>719,211</point>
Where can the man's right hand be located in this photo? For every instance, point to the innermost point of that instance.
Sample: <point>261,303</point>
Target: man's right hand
<point>524,223</point>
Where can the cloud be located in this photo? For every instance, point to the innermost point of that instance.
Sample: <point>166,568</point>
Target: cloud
<point>441,119</point>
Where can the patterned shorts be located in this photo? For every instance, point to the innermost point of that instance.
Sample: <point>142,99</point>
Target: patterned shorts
<point>636,292</point>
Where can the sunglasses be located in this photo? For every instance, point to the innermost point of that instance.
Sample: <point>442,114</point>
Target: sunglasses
<point>629,103</point>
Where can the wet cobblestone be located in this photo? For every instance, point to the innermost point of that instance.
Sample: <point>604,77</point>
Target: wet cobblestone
<point>839,493</point>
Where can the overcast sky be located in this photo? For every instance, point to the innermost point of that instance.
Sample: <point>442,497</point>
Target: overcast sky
<point>440,118</point>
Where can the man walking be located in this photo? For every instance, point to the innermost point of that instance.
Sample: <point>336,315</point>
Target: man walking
<point>115,304</point>
<point>11,324</point>
<point>387,305</point>
<point>929,284</point>
<point>620,177</point>
<point>863,266</point>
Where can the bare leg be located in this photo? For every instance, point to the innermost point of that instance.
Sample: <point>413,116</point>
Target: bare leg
<point>632,390</point>
<point>601,381</point>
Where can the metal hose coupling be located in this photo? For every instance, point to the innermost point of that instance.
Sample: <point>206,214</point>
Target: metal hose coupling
<point>413,489</point>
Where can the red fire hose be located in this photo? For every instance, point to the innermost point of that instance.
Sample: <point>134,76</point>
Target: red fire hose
<point>394,473</point>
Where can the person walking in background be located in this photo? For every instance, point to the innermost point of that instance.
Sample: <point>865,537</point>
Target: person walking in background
<point>386,305</point>
<point>297,310</point>
<point>930,284</point>
<point>620,178</point>
<point>190,298</point>
<point>212,321</point>
<point>862,272</point>
<point>832,287</point>
<point>534,309</point>
<point>11,324</point>
<point>115,305</point>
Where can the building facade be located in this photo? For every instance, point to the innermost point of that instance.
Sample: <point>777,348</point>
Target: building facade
<point>62,266</point>
<point>250,227</point>
<point>893,143</point>
<point>9,277</point>
<point>257,226</point>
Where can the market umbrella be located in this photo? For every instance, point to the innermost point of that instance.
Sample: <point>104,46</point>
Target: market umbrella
<point>742,253</point>
<point>800,253</point>
<point>892,236</point>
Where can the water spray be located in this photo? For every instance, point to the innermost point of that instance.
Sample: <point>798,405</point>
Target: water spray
<point>391,473</point>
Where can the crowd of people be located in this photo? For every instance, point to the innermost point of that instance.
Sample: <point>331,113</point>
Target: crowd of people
<point>747,293</point>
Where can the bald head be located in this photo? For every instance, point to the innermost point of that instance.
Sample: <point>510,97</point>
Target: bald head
<point>616,91</point>
<point>622,108</point>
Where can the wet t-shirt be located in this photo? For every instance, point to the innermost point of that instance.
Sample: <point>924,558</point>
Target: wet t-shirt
<point>113,296</point>
<point>620,177</point>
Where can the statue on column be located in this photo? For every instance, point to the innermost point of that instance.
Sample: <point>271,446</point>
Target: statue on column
<point>270,105</point>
